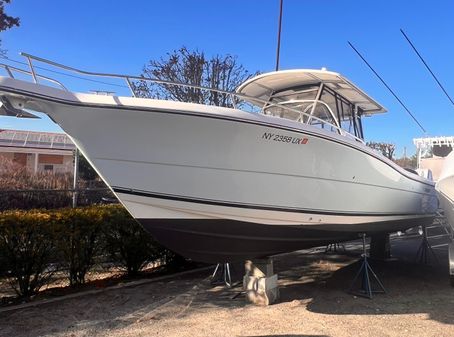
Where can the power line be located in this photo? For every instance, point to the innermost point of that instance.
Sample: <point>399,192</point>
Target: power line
<point>65,74</point>
<point>387,86</point>
<point>427,66</point>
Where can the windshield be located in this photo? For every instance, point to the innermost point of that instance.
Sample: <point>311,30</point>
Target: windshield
<point>316,105</point>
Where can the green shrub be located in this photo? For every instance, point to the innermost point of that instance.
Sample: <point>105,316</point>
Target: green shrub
<point>172,260</point>
<point>78,233</point>
<point>72,239</point>
<point>127,242</point>
<point>27,242</point>
<point>4,267</point>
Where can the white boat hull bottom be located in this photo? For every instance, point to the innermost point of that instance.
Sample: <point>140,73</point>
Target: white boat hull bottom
<point>214,233</point>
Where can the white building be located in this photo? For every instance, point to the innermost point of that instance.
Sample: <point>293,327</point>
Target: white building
<point>431,153</point>
<point>38,151</point>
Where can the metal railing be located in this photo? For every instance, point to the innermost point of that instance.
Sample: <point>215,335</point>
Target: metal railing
<point>432,141</point>
<point>235,97</point>
<point>311,104</point>
<point>10,69</point>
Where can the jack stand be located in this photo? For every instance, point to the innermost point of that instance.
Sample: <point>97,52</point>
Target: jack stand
<point>224,277</point>
<point>335,248</point>
<point>366,284</point>
<point>425,250</point>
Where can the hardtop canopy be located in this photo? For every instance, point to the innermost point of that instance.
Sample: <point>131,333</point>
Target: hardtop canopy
<point>268,85</point>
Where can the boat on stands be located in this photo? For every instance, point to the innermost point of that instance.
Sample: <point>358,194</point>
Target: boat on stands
<point>284,168</point>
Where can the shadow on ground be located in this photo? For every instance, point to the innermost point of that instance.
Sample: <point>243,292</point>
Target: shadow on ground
<point>309,280</point>
<point>321,282</point>
<point>411,287</point>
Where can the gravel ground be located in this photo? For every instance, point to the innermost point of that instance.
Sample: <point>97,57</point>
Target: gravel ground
<point>419,302</point>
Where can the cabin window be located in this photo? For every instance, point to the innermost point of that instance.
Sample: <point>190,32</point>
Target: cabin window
<point>349,118</point>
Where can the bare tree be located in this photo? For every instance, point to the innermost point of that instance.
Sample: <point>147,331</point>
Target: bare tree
<point>6,21</point>
<point>193,68</point>
<point>387,149</point>
<point>406,162</point>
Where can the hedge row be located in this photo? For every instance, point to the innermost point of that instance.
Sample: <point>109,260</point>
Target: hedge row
<point>52,199</point>
<point>36,243</point>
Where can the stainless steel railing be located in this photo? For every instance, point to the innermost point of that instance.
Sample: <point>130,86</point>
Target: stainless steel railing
<point>234,97</point>
<point>10,70</point>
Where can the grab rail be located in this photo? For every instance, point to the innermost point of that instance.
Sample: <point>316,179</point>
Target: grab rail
<point>312,103</point>
<point>9,69</point>
<point>129,78</point>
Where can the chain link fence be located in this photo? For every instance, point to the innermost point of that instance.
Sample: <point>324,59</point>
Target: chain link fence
<point>54,198</point>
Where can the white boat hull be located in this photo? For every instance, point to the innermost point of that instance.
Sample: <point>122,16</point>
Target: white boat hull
<point>219,184</point>
<point>445,188</point>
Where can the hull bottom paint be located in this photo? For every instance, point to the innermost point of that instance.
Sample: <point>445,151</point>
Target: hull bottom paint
<point>220,240</point>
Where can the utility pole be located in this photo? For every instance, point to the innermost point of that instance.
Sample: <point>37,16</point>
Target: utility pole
<point>75,177</point>
<point>278,49</point>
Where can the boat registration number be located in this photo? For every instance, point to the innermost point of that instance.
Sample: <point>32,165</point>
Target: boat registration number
<point>284,139</point>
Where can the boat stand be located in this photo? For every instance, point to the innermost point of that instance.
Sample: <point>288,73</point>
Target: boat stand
<point>367,276</point>
<point>221,275</point>
<point>335,248</point>
<point>425,251</point>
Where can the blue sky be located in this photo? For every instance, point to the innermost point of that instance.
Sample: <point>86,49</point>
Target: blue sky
<point>118,36</point>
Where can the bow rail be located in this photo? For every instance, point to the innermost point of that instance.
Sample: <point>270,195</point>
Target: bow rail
<point>234,97</point>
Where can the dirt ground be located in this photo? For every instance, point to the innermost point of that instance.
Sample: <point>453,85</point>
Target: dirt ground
<point>313,302</point>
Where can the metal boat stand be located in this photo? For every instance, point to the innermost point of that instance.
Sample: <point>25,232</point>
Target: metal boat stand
<point>335,248</point>
<point>367,276</point>
<point>221,275</point>
<point>425,251</point>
